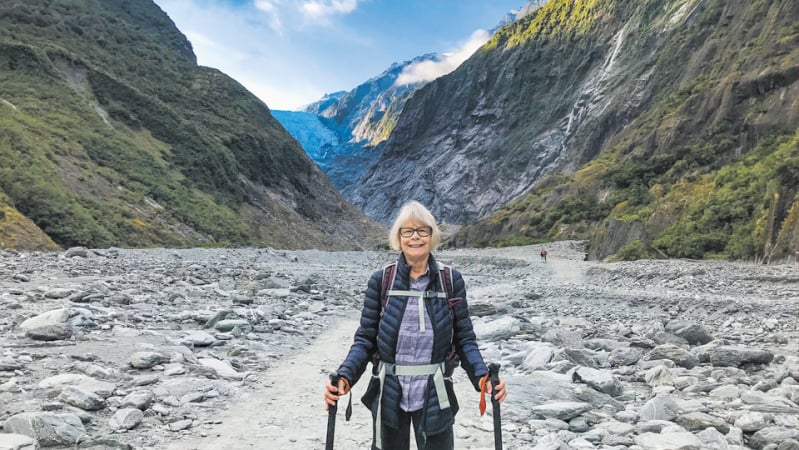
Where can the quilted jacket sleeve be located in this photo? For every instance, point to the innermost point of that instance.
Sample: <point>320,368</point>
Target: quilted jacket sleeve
<point>464,337</point>
<point>365,341</point>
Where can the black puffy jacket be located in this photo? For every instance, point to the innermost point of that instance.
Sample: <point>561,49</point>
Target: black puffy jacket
<point>376,334</point>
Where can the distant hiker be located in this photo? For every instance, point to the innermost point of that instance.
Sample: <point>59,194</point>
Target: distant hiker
<point>414,316</point>
<point>543,255</point>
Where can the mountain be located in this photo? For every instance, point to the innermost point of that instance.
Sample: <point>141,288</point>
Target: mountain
<point>528,8</point>
<point>114,136</point>
<point>659,128</point>
<point>365,116</point>
<point>311,132</point>
<point>359,119</point>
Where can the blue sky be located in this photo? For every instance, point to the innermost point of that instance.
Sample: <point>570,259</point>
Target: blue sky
<point>291,52</point>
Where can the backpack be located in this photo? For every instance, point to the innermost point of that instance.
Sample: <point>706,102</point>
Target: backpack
<point>445,276</point>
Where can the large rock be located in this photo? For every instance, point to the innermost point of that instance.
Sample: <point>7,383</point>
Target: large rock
<point>47,428</point>
<point>538,357</point>
<point>668,441</point>
<point>79,398</point>
<point>126,419</point>
<point>663,407</point>
<point>582,357</point>
<point>659,376</point>
<point>625,356</point>
<point>222,369</point>
<point>563,337</point>
<point>713,439</point>
<point>752,421</point>
<point>679,355</point>
<point>17,442</point>
<point>698,421</point>
<point>601,380</point>
<point>146,359</point>
<point>497,329</point>
<point>761,401</point>
<point>694,334</point>
<point>561,410</point>
<point>48,326</point>
<point>734,356</point>
<point>772,435</point>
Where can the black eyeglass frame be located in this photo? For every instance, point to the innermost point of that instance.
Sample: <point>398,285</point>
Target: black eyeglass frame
<point>406,232</point>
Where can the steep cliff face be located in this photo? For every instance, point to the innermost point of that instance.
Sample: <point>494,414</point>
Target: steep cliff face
<point>114,136</point>
<point>364,117</point>
<point>342,132</point>
<point>589,110</point>
<point>366,114</point>
<point>515,111</point>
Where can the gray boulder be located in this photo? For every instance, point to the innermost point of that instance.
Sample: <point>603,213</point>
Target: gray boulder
<point>698,421</point>
<point>48,429</point>
<point>563,337</point>
<point>668,441</point>
<point>17,442</point>
<point>679,355</point>
<point>79,398</point>
<point>48,326</point>
<point>659,408</point>
<point>600,380</point>
<point>772,435</point>
<point>734,356</point>
<point>126,419</point>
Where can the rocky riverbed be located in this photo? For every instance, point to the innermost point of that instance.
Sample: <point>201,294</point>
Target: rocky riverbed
<point>134,349</point>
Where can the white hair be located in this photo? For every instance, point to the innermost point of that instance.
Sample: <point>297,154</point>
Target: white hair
<point>414,211</point>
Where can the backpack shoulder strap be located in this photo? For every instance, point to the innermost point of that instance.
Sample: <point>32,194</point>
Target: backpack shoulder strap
<point>445,275</point>
<point>389,273</point>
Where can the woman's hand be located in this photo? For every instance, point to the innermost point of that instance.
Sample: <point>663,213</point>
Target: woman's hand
<point>332,392</point>
<point>501,392</point>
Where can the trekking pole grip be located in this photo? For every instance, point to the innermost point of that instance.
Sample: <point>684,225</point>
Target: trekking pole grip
<point>331,414</point>
<point>493,376</point>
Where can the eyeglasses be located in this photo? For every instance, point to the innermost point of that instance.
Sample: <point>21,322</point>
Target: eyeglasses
<point>421,231</point>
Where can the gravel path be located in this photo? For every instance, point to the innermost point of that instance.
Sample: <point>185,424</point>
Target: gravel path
<point>188,349</point>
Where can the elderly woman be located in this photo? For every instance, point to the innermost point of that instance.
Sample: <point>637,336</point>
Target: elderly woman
<point>413,324</point>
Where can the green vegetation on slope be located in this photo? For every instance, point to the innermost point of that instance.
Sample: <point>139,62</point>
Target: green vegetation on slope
<point>708,168</point>
<point>112,135</point>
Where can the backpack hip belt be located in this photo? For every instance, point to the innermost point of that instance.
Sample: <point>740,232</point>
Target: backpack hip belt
<point>437,370</point>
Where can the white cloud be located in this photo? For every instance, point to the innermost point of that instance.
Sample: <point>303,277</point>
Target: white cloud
<point>215,53</point>
<point>270,7</point>
<point>322,9</point>
<point>430,70</point>
<point>246,42</point>
<point>311,11</point>
<point>267,5</point>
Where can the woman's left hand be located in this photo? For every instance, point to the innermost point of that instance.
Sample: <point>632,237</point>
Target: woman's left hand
<point>501,391</point>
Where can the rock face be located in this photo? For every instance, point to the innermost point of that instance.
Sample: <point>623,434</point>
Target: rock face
<point>343,131</point>
<point>576,340</point>
<point>569,105</point>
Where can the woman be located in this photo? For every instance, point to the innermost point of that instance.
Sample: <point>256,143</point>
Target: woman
<point>412,327</point>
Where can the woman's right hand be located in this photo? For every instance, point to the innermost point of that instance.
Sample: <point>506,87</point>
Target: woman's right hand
<point>332,392</point>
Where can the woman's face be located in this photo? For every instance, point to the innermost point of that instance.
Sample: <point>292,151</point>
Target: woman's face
<point>415,239</point>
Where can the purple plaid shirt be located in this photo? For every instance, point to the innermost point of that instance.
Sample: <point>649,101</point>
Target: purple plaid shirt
<point>414,347</point>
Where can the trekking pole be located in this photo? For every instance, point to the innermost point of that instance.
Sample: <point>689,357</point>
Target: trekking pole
<point>331,414</point>
<point>493,376</point>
